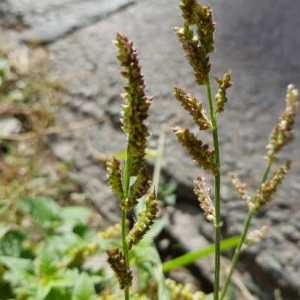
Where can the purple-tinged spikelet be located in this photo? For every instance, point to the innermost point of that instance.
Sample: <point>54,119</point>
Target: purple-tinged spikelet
<point>117,263</point>
<point>194,107</point>
<point>136,105</point>
<point>202,192</point>
<point>199,151</point>
<point>221,97</point>
<point>268,188</point>
<point>197,46</point>
<point>282,134</point>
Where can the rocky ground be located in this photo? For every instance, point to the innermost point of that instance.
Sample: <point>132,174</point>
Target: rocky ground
<point>258,40</point>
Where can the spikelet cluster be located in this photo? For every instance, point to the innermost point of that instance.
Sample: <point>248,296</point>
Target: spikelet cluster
<point>117,262</point>
<point>282,133</point>
<point>136,105</point>
<point>112,232</point>
<point>268,188</point>
<point>256,236</point>
<point>240,187</point>
<point>114,176</point>
<point>199,151</point>
<point>183,292</point>
<point>194,107</point>
<point>197,45</point>
<point>202,192</point>
<point>221,97</point>
<point>134,183</point>
<point>140,188</point>
<point>144,221</point>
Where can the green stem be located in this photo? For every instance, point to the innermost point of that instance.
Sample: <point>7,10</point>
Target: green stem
<point>126,189</point>
<point>237,252</point>
<point>217,183</point>
<point>125,248</point>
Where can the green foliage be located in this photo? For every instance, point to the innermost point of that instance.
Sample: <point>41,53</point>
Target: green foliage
<point>192,257</point>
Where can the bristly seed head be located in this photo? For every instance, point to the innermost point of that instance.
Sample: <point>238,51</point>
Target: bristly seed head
<point>282,134</point>
<point>221,97</point>
<point>268,188</point>
<point>240,187</point>
<point>139,188</point>
<point>115,177</point>
<point>117,262</point>
<point>136,106</point>
<point>194,107</point>
<point>200,152</point>
<point>197,45</point>
<point>145,220</point>
<point>202,192</point>
<point>256,236</point>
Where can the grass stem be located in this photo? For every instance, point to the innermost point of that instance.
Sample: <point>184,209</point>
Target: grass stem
<point>126,189</point>
<point>217,185</point>
<point>238,249</point>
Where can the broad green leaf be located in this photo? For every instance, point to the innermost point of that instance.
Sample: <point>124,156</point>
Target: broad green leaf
<point>192,257</point>
<point>45,263</point>
<point>84,288</point>
<point>43,211</point>
<point>11,243</point>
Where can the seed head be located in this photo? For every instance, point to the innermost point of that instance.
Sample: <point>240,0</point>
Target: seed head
<point>180,291</point>
<point>256,236</point>
<point>114,176</point>
<point>221,97</point>
<point>112,232</point>
<point>194,107</point>
<point>202,192</point>
<point>136,106</point>
<point>144,221</point>
<point>282,134</point>
<point>240,187</point>
<point>200,42</point>
<point>139,188</point>
<point>117,263</point>
<point>267,189</point>
<point>200,152</point>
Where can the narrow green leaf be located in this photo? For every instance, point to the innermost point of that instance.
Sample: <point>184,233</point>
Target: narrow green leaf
<point>192,257</point>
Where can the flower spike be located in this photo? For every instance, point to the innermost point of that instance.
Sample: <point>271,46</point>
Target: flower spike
<point>136,106</point>
<point>267,189</point>
<point>114,177</point>
<point>197,46</point>
<point>117,262</point>
<point>282,134</point>
<point>202,192</point>
<point>144,222</point>
<point>221,97</point>
<point>194,107</point>
<point>200,152</point>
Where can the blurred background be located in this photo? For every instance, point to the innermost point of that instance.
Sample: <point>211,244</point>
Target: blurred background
<point>60,111</point>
